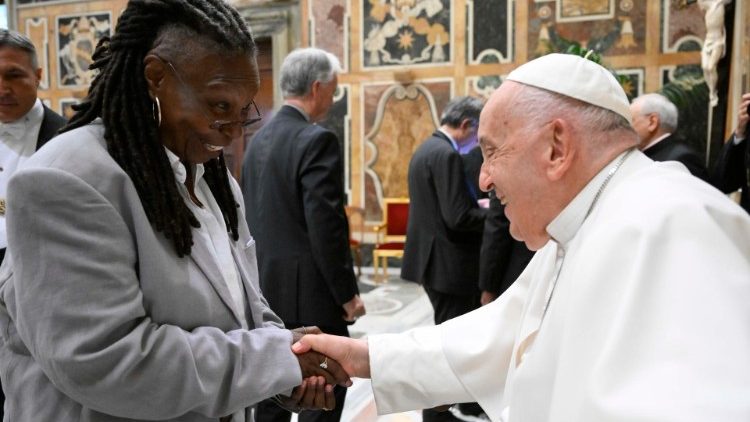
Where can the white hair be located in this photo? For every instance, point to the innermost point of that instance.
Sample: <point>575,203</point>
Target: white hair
<point>660,105</point>
<point>302,67</point>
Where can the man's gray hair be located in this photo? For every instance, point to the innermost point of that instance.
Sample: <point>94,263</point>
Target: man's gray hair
<point>659,104</point>
<point>302,67</point>
<point>13,39</point>
<point>460,109</point>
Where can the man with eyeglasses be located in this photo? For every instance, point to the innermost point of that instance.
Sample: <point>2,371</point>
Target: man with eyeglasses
<point>294,201</point>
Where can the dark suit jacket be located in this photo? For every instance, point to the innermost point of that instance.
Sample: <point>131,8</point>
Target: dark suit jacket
<point>472,167</point>
<point>294,201</point>
<point>503,258</point>
<point>445,225</point>
<point>670,149</point>
<point>51,123</point>
<point>732,170</point>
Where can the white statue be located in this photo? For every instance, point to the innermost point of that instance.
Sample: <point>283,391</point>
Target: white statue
<point>715,44</point>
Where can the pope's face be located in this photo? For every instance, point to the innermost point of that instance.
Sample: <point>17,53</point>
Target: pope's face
<point>18,83</point>
<point>512,166</point>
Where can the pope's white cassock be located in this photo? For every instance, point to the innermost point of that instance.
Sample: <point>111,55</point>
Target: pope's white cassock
<point>649,319</point>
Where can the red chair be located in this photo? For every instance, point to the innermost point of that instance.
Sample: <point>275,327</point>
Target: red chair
<point>391,233</point>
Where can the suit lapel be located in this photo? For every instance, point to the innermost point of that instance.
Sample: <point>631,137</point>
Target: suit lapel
<point>204,260</point>
<point>247,276</point>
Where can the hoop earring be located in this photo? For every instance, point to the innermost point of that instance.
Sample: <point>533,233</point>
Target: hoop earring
<point>157,111</point>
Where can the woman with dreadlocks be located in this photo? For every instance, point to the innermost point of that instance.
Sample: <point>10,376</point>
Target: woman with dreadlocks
<point>131,289</point>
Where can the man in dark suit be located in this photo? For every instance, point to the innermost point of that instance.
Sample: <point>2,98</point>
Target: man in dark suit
<point>25,123</point>
<point>655,119</point>
<point>502,258</point>
<point>445,223</point>
<point>732,169</point>
<point>294,202</point>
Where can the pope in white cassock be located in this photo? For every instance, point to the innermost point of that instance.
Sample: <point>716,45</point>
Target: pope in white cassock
<point>636,306</point>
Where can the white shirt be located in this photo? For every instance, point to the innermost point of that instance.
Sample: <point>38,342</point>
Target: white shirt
<point>450,138</point>
<point>213,230</point>
<point>648,321</point>
<point>17,143</point>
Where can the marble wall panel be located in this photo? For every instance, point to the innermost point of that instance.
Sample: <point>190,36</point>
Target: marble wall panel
<point>338,121</point>
<point>483,86</point>
<point>633,85</point>
<point>682,27</point>
<point>77,36</point>
<point>552,25</point>
<point>489,31</point>
<point>405,32</point>
<point>37,29</point>
<point>329,28</point>
<point>397,119</point>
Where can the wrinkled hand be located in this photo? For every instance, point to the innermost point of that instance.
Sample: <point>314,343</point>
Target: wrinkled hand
<point>312,394</point>
<point>354,309</point>
<point>352,354</point>
<point>742,117</point>
<point>487,297</point>
<point>310,364</point>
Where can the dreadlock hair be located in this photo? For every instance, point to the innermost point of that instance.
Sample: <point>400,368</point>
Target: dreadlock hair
<point>119,95</point>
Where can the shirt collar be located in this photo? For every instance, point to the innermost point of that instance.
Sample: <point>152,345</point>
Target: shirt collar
<point>450,138</point>
<point>656,141</point>
<point>302,112</point>
<point>565,226</point>
<point>180,173</point>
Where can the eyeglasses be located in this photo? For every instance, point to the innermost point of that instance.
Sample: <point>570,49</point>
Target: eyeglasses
<point>220,125</point>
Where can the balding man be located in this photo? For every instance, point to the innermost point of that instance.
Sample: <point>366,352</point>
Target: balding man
<point>655,120</point>
<point>635,306</point>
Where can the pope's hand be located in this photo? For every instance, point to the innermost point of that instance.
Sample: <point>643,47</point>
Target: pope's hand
<point>352,354</point>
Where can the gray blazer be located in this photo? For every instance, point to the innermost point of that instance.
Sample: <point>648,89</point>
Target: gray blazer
<point>99,318</point>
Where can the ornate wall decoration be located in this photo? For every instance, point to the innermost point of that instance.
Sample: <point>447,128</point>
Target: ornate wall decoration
<point>329,28</point>
<point>397,120</point>
<point>489,31</point>
<point>406,32</point>
<point>683,28</point>
<point>584,10</point>
<point>338,121</point>
<point>66,107</point>
<point>37,31</point>
<point>633,85</point>
<point>621,32</point>
<point>77,36</point>
<point>483,86</point>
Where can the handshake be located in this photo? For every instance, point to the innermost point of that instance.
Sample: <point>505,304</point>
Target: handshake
<point>325,361</point>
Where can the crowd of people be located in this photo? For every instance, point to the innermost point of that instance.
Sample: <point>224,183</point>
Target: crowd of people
<point>583,263</point>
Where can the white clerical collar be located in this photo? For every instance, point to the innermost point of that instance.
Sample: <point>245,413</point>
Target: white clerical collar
<point>19,128</point>
<point>302,112</point>
<point>565,226</point>
<point>450,138</point>
<point>180,174</point>
<point>657,140</point>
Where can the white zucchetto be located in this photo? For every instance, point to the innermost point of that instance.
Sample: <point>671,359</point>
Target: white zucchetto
<point>575,77</point>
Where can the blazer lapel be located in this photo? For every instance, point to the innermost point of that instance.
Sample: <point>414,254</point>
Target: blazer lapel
<point>204,260</point>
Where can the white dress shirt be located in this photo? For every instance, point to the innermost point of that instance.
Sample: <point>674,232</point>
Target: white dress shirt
<point>17,143</point>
